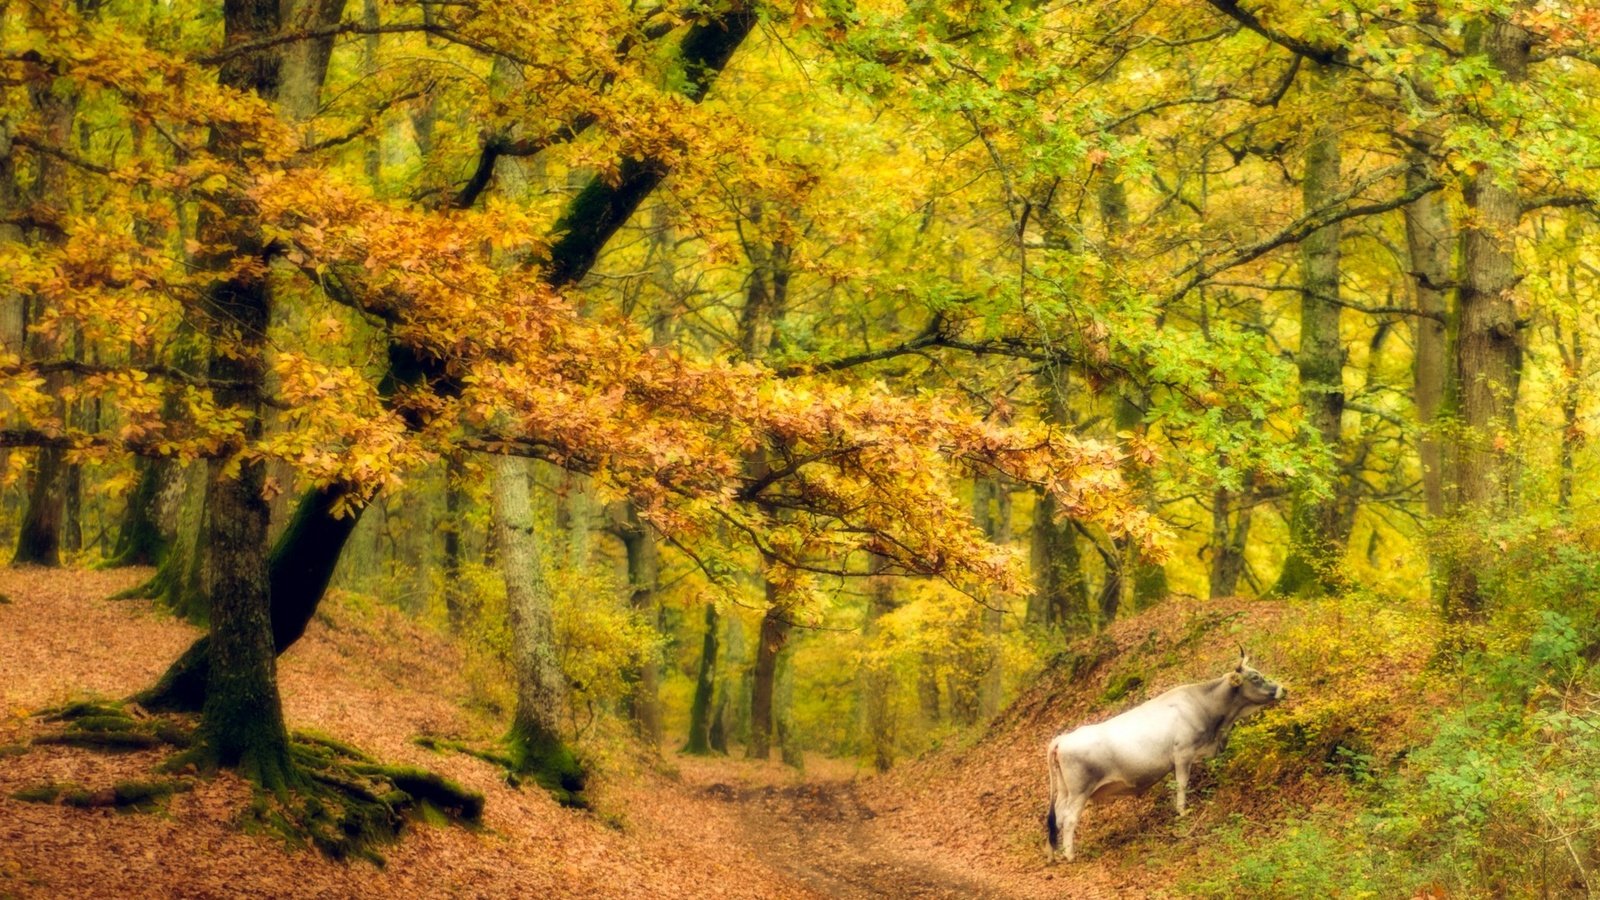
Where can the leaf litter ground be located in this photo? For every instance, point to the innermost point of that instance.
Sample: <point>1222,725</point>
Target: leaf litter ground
<point>963,822</point>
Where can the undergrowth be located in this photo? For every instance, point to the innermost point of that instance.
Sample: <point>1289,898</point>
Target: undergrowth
<point>1494,790</point>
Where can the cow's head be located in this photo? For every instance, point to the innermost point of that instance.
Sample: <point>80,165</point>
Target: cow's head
<point>1255,687</point>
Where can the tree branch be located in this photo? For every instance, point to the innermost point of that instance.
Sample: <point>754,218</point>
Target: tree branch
<point>1328,56</point>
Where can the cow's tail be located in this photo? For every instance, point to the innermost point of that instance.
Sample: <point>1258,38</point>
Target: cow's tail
<point>1051,826</point>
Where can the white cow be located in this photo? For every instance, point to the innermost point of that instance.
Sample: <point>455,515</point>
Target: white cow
<point>1130,752</point>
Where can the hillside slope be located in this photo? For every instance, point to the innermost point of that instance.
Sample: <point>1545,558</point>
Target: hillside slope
<point>367,676</point>
<point>982,806</point>
<point>964,821</point>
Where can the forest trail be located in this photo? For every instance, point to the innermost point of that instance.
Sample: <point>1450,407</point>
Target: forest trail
<point>822,833</point>
<point>708,827</point>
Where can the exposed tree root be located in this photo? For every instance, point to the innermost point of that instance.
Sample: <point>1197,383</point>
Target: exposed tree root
<point>106,726</point>
<point>138,795</point>
<point>440,745</point>
<point>331,796</point>
<point>555,769</point>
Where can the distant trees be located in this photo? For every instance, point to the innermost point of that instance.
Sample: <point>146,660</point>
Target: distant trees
<point>292,277</point>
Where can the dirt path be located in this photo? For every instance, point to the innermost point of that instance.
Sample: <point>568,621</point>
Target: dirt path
<point>821,833</point>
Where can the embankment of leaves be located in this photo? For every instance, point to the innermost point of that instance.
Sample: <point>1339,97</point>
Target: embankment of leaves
<point>341,801</point>
<point>1353,666</point>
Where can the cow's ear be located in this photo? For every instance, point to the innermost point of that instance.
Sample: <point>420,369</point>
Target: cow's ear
<point>1235,679</point>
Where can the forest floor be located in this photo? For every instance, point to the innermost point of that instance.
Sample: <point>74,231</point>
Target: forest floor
<point>961,823</point>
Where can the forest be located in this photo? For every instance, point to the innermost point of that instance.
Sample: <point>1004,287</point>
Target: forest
<point>687,448</point>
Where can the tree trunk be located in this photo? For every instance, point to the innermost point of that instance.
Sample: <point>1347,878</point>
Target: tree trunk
<point>790,749</point>
<point>774,635</point>
<point>39,533</point>
<point>454,512</point>
<point>1059,581</point>
<point>989,687</point>
<point>180,581</point>
<point>699,742</point>
<point>536,744</point>
<point>242,719</point>
<point>1489,352</point>
<point>1429,239</point>
<point>1572,392</point>
<point>928,690</point>
<point>877,680</point>
<point>1060,597</point>
<point>1316,543</point>
<point>140,540</point>
<point>644,702</point>
<point>305,62</point>
<point>1149,577</point>
<point>305,555</point>
<point>1229,539</point>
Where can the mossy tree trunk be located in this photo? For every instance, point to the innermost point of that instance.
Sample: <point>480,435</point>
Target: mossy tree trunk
<point>39,533</point>
<point>1060,597</point>
<point>140,541</point>
<point>1230,535</point>
<point>774,636</point>
<point>241,722</point>
<point>179,583</point>
<point>535,738</point>
<point>1316,537</point>
<point>1149,578</point>
<point>454,510</point>
<point>644,701</point>
<point>1430,242</point>
<point>699,741</point>
<point>299,569</point>
<point>44,514</point>
<point>991,680</point>
<point>1489,351</point>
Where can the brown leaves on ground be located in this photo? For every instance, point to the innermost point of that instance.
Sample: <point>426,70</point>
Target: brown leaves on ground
<point>367,676</point>
<point>963,822</point>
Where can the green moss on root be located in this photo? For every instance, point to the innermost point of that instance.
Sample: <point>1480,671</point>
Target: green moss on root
<point>141,795</point>
<point>553,766</point>
<point>330,796</point>
<point>102,740</point>
<point>39,793</point>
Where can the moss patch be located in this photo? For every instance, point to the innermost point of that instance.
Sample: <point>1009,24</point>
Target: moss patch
<point>102,725</point>
<point>1121,685</point>
<point>138,795</point>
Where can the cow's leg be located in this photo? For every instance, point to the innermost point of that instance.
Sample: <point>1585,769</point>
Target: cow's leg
<point>1180,769</point>
<point>1068,808</point>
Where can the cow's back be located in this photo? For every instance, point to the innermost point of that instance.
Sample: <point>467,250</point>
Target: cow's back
<point>1134,749</point>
